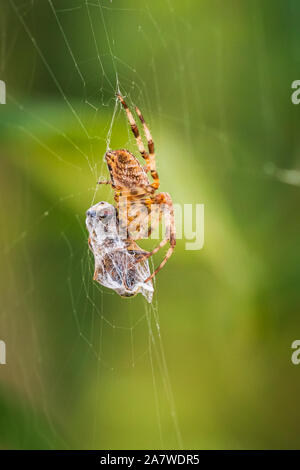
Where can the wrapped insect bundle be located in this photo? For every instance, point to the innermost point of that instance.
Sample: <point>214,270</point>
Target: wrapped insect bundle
<point>117,261</point>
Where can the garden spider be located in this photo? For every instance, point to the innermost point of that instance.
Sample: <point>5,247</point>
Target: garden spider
<point>131,183</point>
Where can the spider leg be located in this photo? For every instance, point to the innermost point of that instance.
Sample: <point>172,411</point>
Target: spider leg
<point>151,166</point>
<point>134,129</point>
<point>167,256</point>
<point>166,208</point>
<point>104,182</point>
<point>155,220</point>
<point>134,208</point>
<point>149,157</point>
<point>142,220</point>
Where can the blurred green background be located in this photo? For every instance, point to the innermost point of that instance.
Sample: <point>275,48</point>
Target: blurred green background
<point>85,368</point>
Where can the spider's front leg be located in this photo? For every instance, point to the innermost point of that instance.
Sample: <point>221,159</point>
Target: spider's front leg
<point>149,156</point>
<point>104,182</point>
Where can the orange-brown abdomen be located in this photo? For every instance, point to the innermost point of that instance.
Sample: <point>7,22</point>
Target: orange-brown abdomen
<point>125,170</point>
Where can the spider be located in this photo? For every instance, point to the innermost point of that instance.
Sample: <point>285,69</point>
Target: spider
<point>130,181</point>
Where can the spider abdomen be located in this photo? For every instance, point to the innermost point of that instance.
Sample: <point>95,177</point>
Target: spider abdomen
<point>125,170</point>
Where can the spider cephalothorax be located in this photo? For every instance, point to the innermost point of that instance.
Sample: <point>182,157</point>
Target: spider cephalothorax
<point>131,184</point>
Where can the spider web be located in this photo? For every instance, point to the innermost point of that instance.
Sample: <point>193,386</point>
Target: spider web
<point>111,340</point>
<point>86,368</point>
